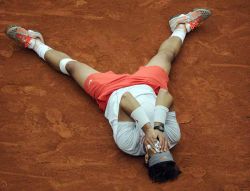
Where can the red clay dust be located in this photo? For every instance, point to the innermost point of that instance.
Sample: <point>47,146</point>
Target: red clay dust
<point>53,137</point>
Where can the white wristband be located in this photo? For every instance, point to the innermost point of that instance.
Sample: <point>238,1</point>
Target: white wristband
<point>140,117</point>
<point>160,114</point>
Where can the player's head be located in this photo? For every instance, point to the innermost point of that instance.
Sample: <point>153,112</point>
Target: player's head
<point>162,167</point>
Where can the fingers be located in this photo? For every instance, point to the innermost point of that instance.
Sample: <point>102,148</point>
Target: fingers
<point>161,142</point>
<point>149,148</point>
<point>146,149</point>
<point>163,149</point>
<point>149,142</point>
<point>166,145</point>
<point>154,135</point>
<point>146,159</point>
<point>152,141</point>
<point>152,151</point>
<point>146,156</point>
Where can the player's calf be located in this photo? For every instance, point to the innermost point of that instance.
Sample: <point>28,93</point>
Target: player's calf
<point>34,40</point>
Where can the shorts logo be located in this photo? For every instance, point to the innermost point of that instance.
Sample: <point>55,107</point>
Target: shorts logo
<point>90,81</point>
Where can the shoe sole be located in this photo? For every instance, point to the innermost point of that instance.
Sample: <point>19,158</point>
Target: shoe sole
<point>206,12</point>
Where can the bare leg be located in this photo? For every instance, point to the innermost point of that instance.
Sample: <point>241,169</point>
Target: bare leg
<point>34,40</point>
<point>166,53</point>
<point>78,71</point>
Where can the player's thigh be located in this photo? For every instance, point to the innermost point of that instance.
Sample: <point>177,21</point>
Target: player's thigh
<point>161,59</point>
<point>80,72</point>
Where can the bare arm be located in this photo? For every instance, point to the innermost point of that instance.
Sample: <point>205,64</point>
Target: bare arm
<point>129,104</point>
<point>164,98</point>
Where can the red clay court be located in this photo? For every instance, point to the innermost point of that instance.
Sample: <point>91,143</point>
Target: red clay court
<point>53,137</point>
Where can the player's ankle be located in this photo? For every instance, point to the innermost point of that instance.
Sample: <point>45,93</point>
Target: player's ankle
<point>39,47</point>
<point>38,42</point>
<point>181,26</point>
<point>34,43</point>
<point>180,31</point>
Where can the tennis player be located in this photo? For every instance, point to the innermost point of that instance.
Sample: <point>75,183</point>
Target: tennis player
<point>136,105</point>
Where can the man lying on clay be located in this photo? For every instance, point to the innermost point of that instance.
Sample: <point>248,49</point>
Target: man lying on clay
<point>136,105</point>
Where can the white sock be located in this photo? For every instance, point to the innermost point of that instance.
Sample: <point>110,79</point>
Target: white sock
<point>180,32</point>
<point>39,47</point>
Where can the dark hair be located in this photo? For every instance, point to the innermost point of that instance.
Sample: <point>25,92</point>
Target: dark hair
<point>164,171</point>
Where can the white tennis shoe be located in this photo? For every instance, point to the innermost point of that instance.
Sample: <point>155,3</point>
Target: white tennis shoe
<point>191,20</point>
<point>22,35</point>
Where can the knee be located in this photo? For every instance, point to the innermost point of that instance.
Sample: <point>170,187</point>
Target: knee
<point>72,67</point>
<point>168,97</point>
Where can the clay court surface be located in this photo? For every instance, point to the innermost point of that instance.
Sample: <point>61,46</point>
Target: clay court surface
<point>54,137</point>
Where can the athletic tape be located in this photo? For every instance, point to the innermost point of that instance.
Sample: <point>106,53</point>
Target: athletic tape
<point>63,64</point>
